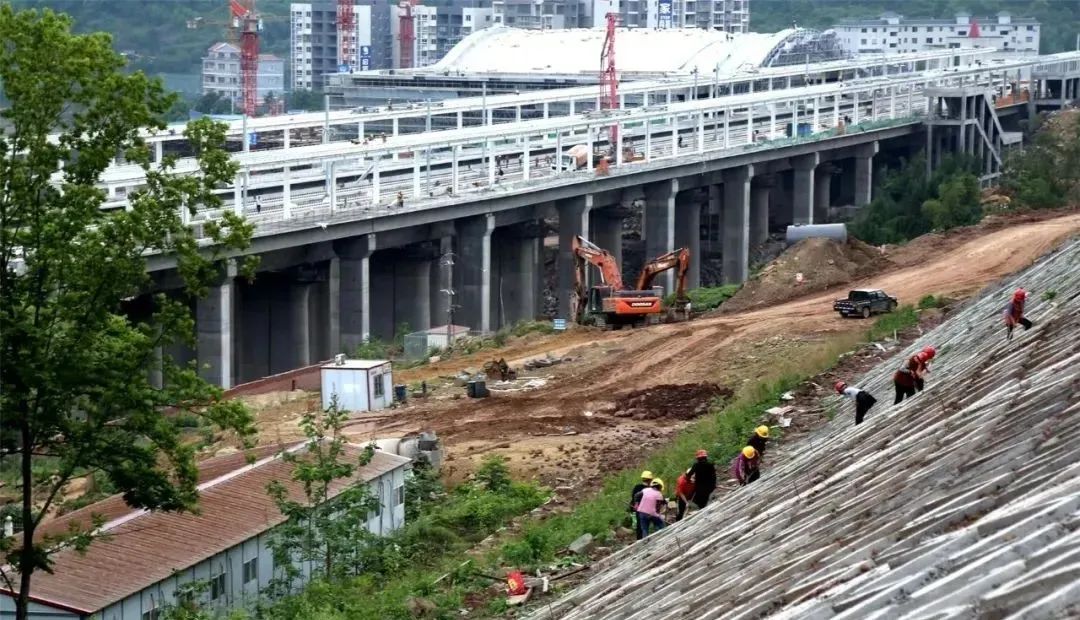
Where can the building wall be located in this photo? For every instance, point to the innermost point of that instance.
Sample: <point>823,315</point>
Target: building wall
<point>314,44</point>
<point>233,591</point>
<point>221,74</point>
<point>723,15</point>
<point>896,35</point>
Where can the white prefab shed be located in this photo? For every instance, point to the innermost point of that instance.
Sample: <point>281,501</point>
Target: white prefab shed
<point>360,385</point>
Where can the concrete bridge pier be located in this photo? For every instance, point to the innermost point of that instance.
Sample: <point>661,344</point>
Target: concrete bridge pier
<point>517,264</point>
<point>688,207</point>
<point>472,272</point>
<point>442,280</point>
<point>354,290</point>
<point>822,192</point>
<point>735,267</point>
<point>659,225</point>
<point>802,199</point>
<point>215,317</point>
<point>400,290</point>
<point>760,189</point>
<point>864,172</point>
<point>574,219</point>
<point>606,229</point>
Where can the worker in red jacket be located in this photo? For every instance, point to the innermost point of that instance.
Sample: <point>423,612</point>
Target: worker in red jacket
<point>684,493</point>
<point>863,399</point>
<point>1014,313</point>
<point>909,378</point>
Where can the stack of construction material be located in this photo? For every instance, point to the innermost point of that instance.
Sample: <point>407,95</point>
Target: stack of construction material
<point>961,502</point>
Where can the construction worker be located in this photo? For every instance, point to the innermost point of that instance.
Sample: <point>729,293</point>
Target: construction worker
<point>684,493</point>
<point>646,482</point>
<point>863,400</point>
<point>703,473</point>
<point>746,467</point>
<point>910,377</point>
<point>649,503</point>
<point>759,439</point>
<point>928,352</point>
<point>1014,313</point>
<point>399,202</point>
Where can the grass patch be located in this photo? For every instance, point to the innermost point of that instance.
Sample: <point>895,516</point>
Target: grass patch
<point>707,297</point>
<point>1049,295</point>
<point>930,301</point>
<point>888,324</point>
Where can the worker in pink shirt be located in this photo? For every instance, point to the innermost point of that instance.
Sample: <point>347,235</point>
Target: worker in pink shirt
<point>649,502</point>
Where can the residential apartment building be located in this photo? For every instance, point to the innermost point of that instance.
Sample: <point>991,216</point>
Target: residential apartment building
<point>544,14</point>
<point>439,25</point>
<point>221,73</point>
<point>723,15</point>
<point>894,34</point>
<point>314,40</point>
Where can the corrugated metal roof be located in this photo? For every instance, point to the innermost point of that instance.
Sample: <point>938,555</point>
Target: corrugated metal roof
<point>144,548</point>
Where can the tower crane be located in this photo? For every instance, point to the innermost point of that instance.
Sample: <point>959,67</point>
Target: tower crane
<point>407,33</point>
<point>609,79</point>
<point>346,35</point>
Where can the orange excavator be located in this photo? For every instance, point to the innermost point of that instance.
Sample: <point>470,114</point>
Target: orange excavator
<point>610,304</point>
<point>678,260</point>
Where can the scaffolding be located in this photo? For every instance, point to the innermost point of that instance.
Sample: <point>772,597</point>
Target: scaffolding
<point>806,46</point>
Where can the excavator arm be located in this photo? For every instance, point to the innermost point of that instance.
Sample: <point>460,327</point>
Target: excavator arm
<point>586,252</point>
<point>679,259</point>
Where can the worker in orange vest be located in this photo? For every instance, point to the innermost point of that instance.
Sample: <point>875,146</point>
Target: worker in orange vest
<point>909,379</point>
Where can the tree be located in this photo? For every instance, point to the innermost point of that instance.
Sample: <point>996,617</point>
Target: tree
<point>310,100</point>
<point>75,393</point>
<point>327,527</point>
<point>957,203</point>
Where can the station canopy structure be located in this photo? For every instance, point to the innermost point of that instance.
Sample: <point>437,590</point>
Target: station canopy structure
<point>642,52</point>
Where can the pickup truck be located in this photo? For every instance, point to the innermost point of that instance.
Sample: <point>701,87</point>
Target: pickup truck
<point>864,302</point>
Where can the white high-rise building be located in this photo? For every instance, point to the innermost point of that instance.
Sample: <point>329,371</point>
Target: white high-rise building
<point>894,34</point>
<point>724,15</point>
<point>221,74</point>
<point>314,43</point>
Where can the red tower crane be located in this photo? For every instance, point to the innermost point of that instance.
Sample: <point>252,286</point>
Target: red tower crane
<point>248,23</point>
<point>407,33</point>
<point>346,33</point>
<point>609,80</point>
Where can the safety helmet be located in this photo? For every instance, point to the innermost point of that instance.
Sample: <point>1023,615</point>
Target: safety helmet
<point>1020,294</point>
<point>701,454</point>
<point>646,475</point>
<point>840,385</point>
<point>749,452</point>
<point>762,431</point>
<point>930,351</point>
<point>658,483</point>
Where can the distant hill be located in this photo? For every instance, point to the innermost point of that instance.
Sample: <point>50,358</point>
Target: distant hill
<point>155,32</point>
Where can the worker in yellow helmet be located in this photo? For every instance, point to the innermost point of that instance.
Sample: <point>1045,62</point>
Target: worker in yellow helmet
<point>759,439</point>
<point>646,482</point>
<point>746,467</point>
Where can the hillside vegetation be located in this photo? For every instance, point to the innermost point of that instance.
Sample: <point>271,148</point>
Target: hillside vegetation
<point>155,31</point>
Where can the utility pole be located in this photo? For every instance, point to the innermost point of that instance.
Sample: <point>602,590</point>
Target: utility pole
<point>447,261</point>
<point>427,172</point>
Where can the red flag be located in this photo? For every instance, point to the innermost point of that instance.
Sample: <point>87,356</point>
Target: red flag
<point>974,32</point>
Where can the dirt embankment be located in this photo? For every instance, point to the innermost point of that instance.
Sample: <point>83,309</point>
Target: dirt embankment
<point>678,402</point>
<point>809,266</point>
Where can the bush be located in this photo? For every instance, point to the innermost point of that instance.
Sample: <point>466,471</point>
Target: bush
<point>899,320</point>
<point>1046,173</point>
<point>957,203</point>
<point>929,301</point>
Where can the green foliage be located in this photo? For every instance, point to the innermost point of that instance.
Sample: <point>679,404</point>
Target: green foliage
<point>706,297</point>
<point>493,474</point>
<point>1046,173</point>
<point>957,203</point>
<point>312,101</point>
<point>372,350</point>
<point>930,301</point>
<point>214,103</point>
<point>910,205</point>
<point>524,328</point>
<point>74,386</point>
<point>325,530</point>
<point>888,324</point>
<point>1049,295</point>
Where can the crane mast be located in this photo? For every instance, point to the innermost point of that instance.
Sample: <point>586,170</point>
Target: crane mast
<point>609,80</point>
<point>407,33</point>
<point>346,36</point>
<point>248,23</point>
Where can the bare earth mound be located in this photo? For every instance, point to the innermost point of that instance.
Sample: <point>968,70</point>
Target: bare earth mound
<point>823,263</point>
<point>680,402</point>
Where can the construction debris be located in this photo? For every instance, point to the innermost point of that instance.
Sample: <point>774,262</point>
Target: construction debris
<point>681,402</point>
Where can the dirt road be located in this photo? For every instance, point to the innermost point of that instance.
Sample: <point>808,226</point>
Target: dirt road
<point>559,429</point>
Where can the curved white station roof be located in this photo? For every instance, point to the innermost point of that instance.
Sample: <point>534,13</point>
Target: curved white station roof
<point>638,51</point>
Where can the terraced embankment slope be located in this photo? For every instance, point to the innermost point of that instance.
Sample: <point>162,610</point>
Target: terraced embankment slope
<point>963,502</point>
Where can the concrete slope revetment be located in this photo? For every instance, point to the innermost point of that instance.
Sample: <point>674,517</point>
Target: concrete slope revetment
<point>962,502</point>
